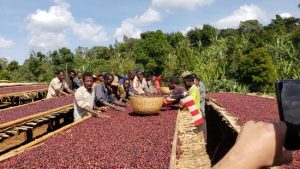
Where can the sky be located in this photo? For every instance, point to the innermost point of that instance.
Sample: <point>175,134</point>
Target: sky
<point>44,25</point>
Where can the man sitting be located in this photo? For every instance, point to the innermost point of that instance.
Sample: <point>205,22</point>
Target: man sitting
<point>137,83</point>
<point>58,86</point>
<point>84,99</point>
<point>118,91</point>
<point>104,95</point>
<point>149,84</point>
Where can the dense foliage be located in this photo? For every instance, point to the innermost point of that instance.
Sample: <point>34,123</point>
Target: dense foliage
<point>249,58</point>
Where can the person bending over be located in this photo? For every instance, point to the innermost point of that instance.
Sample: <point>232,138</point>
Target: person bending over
<point>73,85</point>
<point>192,89</point>
<point>195,93</point>
<point>58,86</point>
<point>84,99</point>
<point>104,95</point>
<point>118,91</point>
<point>177,92</point>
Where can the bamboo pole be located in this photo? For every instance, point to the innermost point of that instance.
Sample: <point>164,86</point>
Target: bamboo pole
<point>172,164</point>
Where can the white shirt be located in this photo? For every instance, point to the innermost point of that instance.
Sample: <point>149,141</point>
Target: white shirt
<point>83,98</point>
<point>138,86</point>
<point>55,86</point>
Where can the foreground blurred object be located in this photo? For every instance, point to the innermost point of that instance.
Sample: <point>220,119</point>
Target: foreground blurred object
<point>255,138</point>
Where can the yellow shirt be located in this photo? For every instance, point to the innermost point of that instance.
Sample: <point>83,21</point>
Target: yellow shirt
<point>194,92</point>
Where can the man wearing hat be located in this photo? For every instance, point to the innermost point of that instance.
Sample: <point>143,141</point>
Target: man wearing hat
<point>138,82</point>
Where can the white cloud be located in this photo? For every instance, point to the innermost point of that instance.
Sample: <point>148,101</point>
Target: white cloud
<point>87,30</point>
<point>245,12</point>
<point>188,28</point>
<point>286,15</point>
<point>48,40</point>
<point>180,5</point>
<point>5,43</point>
<point>130,26</point>
<point>48,29</point>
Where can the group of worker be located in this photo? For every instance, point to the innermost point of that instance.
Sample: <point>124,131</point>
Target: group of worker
<point>94,94</point>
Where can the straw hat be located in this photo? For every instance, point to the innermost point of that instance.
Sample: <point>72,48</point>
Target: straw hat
<point>185,73</point>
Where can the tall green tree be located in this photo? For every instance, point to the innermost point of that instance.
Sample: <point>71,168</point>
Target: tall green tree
<point>258,71</point>
<point>152,50</point>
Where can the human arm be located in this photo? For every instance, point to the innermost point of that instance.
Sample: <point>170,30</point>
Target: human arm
<point>202,91</point>
<point>83,101</point>
<point>93,112</point>
<point>112,106</point>
<point>258,145</point>
<point>67,88</point>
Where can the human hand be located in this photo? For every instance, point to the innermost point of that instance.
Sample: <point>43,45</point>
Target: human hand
<point>258,145</point>
<point>119,108</point>
<point>103,116</point>
<point>96,115</point>
<point>267,138</point>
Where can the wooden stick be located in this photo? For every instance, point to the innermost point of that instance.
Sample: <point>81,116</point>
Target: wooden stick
<point>40,140</point>
<point>11,123</point>
<point>172,164</point>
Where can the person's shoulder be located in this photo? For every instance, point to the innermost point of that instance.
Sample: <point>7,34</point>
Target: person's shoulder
<point>54,80</point>
<point>80,89</point>
<point>99,85</point>
<point>194,89</point>
<point>179,90</point>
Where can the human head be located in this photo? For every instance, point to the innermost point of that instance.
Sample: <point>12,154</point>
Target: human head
<point>149,77</point>
<point>141,77</point>
<point>173,82</point>
<point>60,75</point>
<point>188,81</point>
<point>126,83</point>
<point>100,76</point>
<point>96,80</point>
<point>185,73</point>
<point>108,79</point>
<point>131,74</point>
<point>79,75</point>
<point>88,80</point>
<point>196,80</point>
<point>138,72</point>
<point>72,74</point>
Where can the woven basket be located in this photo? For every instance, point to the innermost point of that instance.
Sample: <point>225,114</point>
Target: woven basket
<point>165,90</point>
<point>146,105</point>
